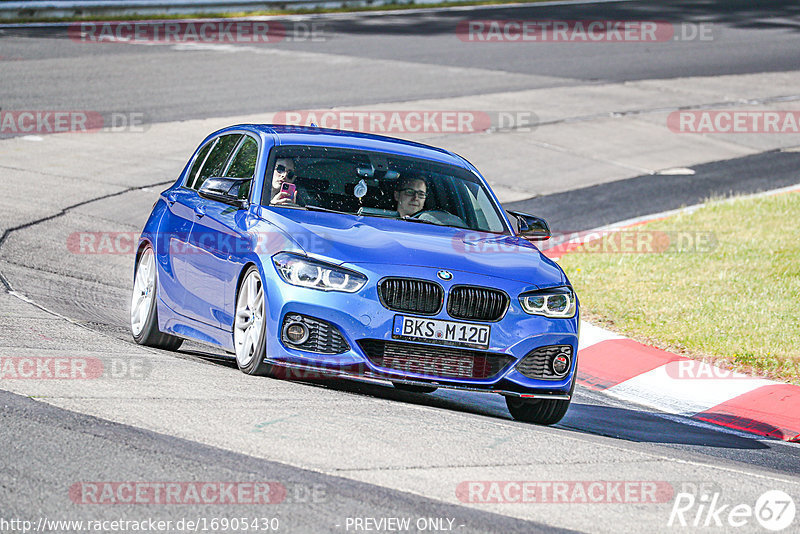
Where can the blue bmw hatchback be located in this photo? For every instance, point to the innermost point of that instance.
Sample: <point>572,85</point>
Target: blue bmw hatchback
<point>361,257</point>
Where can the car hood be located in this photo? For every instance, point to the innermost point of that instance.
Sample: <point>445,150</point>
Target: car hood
<point>348,239</point>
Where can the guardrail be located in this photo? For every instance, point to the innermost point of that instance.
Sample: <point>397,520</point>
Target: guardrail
<point>40,9</point>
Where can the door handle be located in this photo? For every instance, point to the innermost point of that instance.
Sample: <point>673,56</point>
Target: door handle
<point>199,212</point>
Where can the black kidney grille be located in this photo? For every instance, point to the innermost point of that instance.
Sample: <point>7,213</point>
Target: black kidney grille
<point>538,362</point>
<point>410,295</point>
<point>433,361</point>
<point>478,303</point>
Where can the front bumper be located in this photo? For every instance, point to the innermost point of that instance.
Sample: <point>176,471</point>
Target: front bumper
<point>361,316</point>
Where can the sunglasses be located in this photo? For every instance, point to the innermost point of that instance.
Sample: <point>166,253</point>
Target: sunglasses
<point>282,169</point>
<point>412,192</point>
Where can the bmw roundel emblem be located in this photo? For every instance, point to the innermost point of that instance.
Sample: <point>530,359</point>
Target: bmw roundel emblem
<point>445,275</point>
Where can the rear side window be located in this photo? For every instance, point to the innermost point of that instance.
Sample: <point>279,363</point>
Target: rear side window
<point>243,164</point>
<point>215,162</point>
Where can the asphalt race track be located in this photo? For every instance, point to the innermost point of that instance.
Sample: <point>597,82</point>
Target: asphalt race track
<point>346,451</point>
<point>397,57</point>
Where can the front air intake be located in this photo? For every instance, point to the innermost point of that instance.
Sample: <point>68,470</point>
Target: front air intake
<point>538,363</point>
<point>433,361</point>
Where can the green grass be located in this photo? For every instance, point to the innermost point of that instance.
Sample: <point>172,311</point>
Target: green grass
<point>311,9</point>
<point>736,303</point>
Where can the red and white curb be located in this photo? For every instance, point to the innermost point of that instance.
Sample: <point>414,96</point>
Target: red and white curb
<point>674,384</point>
<point>632,371</point>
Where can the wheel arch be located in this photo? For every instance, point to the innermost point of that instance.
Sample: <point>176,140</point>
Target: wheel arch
<point>143,243</point>
<point>242,272</point>
<point>246,267</point>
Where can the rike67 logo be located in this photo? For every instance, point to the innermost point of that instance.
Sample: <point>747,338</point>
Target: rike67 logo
<point>774,510</point>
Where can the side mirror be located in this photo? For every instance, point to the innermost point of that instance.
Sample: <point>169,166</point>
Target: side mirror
<point>225,190</point>
<point>532,227</point>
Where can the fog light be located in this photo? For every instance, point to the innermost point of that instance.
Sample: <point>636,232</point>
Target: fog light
<point>296,333</point>
<point>560,364</point>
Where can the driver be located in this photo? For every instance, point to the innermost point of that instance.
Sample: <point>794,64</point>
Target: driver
<point>284,173</point>
<point>410,194</point>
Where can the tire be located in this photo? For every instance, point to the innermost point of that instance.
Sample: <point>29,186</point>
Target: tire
<point>414,389</point>
<point>249,325</point>
<point>144,308</point>
<point>539,411</point>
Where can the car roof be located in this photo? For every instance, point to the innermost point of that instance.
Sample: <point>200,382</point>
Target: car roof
<point>314,136</point>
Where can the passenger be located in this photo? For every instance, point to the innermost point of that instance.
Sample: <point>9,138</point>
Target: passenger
<point>410,194</point>
<point>284,173</point>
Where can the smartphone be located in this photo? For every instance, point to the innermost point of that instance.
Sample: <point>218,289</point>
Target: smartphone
<point>288,188</point>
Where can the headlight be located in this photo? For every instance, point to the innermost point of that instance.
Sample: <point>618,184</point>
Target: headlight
<point>301,271</point>
<point>558,302</point>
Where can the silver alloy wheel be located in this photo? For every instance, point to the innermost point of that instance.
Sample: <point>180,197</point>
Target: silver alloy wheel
<point>144,285</point>
<point>249,321</point>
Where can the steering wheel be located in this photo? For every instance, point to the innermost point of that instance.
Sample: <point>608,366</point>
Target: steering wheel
<point>420,212</point>
<point>439,217</point>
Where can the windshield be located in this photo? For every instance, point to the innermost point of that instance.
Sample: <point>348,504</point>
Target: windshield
<point>373,184</point>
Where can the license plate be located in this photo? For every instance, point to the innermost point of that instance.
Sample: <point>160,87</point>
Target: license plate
<point>441,332</point>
